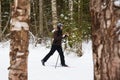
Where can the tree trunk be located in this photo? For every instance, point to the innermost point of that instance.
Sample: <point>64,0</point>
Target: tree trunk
<point>106,39</point>
<point>79,13</point>
<point>79,49</point>
<point>41,17</point>
<point>0,22</point>
<point>19,40</point>
<point>54,13</point>
<point>35,14</point>
<point>71,9</point>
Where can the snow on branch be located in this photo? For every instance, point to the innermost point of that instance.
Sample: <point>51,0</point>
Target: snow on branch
<point>17,25</point>
<point>117,3</point>
<point>103,6</point>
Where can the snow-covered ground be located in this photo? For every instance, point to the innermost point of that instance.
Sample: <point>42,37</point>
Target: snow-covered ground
<point>80,68</point>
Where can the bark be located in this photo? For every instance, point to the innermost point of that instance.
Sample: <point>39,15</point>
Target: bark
<point>35,19</point>
<point>106,39</point>
<point>79,49</point>
<point>19,40</point>
<point>80,12</point>
<point>79,45</point>
<point>54,13</point>
<point>41,17</point>
<point>71,9</point>
<point>0,22</point>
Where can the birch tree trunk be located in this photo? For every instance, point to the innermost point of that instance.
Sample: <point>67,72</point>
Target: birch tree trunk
<point>19,40</point>
<point>106,39</point>
<point>54,13</point>
<point>71,9</point>
<point>41,17</point>
<point>0,22</point>
<point>79,49</point>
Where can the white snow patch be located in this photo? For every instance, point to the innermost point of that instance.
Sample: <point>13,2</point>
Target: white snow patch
<point>80,68</point>
<point>103,6</point>
<point>19,25</point>
<point>117,3</point>
<point>118,23</point>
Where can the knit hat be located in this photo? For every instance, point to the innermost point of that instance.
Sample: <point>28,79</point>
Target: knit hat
<point>59,25</point>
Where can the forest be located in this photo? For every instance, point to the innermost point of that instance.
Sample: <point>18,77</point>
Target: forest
<point>32,21</point>
<point>73,14</point>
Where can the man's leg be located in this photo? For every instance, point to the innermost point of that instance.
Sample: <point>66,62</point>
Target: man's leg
<point>59,49</point>
<point>53,48</point>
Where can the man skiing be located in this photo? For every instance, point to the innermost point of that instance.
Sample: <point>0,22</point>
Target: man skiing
<point>56,45</point>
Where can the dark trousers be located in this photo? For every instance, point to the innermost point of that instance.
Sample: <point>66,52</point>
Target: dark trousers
<point>53,49</point>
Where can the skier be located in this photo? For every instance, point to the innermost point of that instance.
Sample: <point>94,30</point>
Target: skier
<point>56,45</point>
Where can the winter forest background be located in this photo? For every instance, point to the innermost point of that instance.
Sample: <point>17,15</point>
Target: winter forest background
<point>94,36</point>
<point>73,14</point>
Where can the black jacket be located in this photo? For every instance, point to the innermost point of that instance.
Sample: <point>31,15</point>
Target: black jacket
<point>57,37</point>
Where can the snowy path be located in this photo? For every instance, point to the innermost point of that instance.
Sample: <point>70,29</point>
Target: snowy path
<point>81,68</point>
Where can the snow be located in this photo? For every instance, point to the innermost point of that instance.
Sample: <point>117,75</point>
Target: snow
<point>103,6</point>
<point>17,25</point>
<point>80,68</point>
<point>118,23</point>
<point>117,3</point>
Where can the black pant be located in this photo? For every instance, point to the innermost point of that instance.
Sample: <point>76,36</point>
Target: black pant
<point>53,49</point>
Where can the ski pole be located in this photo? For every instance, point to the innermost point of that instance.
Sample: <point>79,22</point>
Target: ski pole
<point>57,61</point>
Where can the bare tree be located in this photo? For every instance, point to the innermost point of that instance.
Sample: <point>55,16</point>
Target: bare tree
<point>79,50</point>
<point>79,13</point>
<point>54,13</point>
<point>19,40</point>
<point>71,9</point>
<point>106,38</point>
<point>41,17</point>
